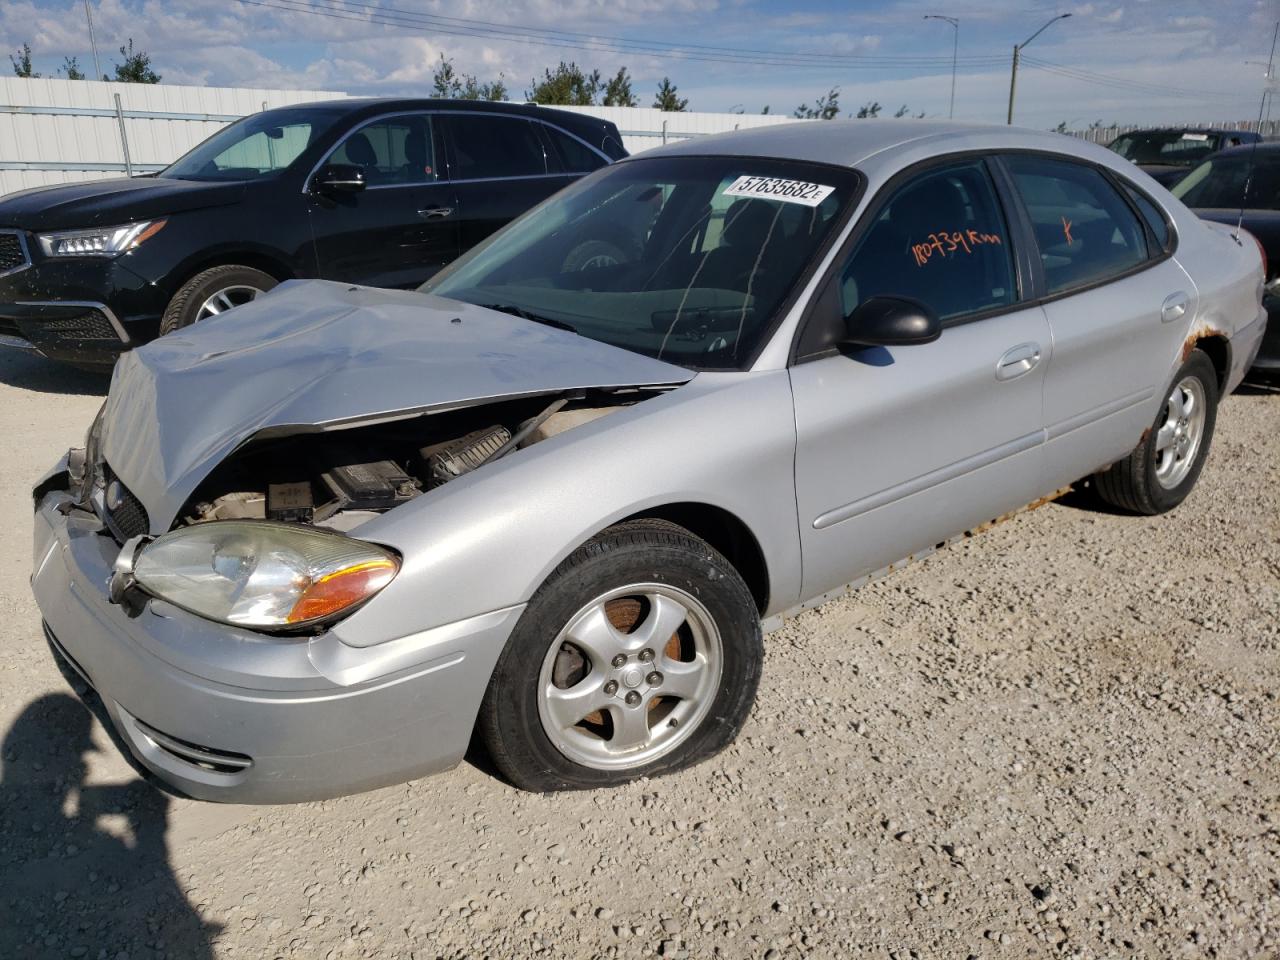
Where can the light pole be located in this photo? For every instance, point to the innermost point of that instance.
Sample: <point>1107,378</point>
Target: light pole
<point>1017,51</point>
<point>97,68</point>
<point>955,49</point>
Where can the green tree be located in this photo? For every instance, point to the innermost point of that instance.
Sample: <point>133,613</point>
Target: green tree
<point>445,82</point>
<point>22,63</point>
<point>824,108</point>
<point>765,110</point>
<point>71,68</point>
<point>567,85</point>
<point>136,67</point>
<point>1061,127</point>
<point>868,110</point>
<point>668,99</point>
<point>617,92</point>
<point>448,84</point>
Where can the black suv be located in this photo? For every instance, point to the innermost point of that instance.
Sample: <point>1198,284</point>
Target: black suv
<point>379,192</point>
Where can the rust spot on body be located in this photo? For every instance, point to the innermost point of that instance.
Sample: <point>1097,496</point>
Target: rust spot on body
<point>1196,336</point>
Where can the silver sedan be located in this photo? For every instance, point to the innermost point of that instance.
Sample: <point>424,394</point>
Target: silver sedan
<point>559,495</point>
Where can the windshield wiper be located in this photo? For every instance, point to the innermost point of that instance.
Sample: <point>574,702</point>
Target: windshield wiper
<point>524,314</point>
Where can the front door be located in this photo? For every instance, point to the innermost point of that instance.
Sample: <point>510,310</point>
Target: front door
<point>402,227</point>
<point>1118,308</point>
<point>899,448</point>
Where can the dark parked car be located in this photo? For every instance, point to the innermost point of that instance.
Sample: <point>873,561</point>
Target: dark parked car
<point>1216,191</point>
<point>1167,155</point>
<point>378,192</point>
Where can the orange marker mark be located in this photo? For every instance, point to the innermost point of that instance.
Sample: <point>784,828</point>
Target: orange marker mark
<point>1066,231</point>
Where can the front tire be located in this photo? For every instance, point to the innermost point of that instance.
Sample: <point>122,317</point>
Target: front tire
<point>1162,469</point>
<point>214,291</point>
<point>638,656</point>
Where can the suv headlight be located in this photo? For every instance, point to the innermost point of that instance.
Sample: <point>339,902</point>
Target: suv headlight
<point>262,574</point>
<point>99,242</point>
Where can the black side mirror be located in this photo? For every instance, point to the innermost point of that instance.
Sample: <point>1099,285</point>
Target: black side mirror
<point>339,178</point>
<point>891,322</point>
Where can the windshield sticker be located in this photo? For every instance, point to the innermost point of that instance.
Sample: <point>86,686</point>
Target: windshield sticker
<point>788,191</point>
<point>948,243</point>
<point>1195,136</point>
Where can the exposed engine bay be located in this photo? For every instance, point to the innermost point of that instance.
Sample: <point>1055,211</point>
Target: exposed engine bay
<point>341,478</point>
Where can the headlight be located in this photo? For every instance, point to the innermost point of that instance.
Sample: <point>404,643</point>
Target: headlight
<point>260,574</point>
<point>100,242</point>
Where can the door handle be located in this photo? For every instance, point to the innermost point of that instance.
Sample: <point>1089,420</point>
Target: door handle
<point>1017,361</point>
<point>1175,307</point>
<point>435,213</point>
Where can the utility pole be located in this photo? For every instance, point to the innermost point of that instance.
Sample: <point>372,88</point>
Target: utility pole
<point>97,68</point>
<point>955,50</point>
<point>1017,55</point>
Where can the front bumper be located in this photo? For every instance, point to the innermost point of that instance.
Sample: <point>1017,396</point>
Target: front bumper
<point>85,311</point>
<point>232,715</point>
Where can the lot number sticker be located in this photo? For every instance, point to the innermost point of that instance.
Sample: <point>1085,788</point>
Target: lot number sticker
<point>788,191</point>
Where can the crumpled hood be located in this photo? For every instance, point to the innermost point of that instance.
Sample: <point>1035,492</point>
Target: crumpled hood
<point>70,206</point>
<point>315,355</point>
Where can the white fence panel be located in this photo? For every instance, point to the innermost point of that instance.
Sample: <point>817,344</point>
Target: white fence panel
<point>643,128</point>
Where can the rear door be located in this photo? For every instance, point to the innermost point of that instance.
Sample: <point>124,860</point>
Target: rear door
<point>899,448</point>
<point>402,227</point>
<point>1117,303</point>
<point>499,168</point>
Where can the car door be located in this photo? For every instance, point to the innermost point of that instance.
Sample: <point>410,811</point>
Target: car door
<point>899,448</point>
<point>499,169</point>
<point>1117,306</point>
<point>402,227</point>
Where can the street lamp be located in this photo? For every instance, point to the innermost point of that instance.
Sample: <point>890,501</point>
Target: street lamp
<point>955,49</point>
<point>1017,50</point>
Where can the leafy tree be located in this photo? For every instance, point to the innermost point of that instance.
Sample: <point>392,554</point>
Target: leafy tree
<point>617,92</point>
<point>868,110</point>
<point>1061,127</point>
<point>667,99</point>
<point>448,84</point>
<point>765,110</point>
<point>136,67</point>
<point>567,85</point>
<point>824,108</point>
<point>905,111</point>
<point>71,68</point>
<point>22,63</point>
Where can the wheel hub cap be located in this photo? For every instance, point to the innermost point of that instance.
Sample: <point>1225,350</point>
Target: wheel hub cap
<point>1179,436</point>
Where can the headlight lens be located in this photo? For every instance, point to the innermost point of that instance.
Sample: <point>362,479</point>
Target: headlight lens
<point>99,242</point>
<point>264,575</point>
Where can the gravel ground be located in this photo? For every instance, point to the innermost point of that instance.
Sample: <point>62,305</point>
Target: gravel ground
<point>1058,738</point>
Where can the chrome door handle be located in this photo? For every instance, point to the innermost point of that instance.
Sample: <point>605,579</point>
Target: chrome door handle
<point>1175,307</point>
<point>1017,361</point>
<point>435,213</point>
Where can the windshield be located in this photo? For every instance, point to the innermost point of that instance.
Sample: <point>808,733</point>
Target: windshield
<point>1166,147</point>
<point>257,146</point>
<point>1220,182</point>
<point>683,259</point>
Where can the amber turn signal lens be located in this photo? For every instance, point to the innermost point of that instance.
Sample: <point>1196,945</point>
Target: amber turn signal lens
<point>340,589</point>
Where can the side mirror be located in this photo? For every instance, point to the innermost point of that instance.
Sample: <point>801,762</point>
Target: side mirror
<point>891,322</point>
<point>339,178</point>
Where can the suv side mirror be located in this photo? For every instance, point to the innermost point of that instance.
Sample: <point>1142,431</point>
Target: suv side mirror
<point>891,322</point>
<point>339,178</point>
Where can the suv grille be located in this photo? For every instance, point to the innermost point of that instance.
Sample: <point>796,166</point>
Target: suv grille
<point>90,325</point>
<point>125,514</point>
<point>13,254</point>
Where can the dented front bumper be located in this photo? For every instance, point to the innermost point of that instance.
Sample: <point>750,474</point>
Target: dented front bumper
<point>232,715</point>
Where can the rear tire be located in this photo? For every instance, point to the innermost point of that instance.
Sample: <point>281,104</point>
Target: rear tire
<point>640,655</point>
<point>213,291</point>
<point>1162,469</point>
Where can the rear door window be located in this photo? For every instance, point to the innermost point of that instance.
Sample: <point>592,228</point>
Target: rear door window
<point>940,239</point>
<point>1085,230</point>
<point>574,155</point>
<point>487,147</point>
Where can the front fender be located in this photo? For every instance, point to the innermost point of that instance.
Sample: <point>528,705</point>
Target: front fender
<point>488,540</point>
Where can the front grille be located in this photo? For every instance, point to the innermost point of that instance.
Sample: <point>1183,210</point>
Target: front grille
<point>124,513</point>
<point>90,325</point>
<point>13,252</point>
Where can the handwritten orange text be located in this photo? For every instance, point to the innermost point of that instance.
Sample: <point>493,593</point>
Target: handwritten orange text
<point>949,243</point>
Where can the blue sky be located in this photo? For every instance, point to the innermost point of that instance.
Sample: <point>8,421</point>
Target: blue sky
<point>1114,60</point>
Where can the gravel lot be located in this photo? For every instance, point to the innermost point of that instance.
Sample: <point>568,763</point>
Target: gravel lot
<point>1055,739</point>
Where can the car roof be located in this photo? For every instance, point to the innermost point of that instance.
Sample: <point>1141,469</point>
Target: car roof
<point>1260,146</point>
<point>850,143</point>
<point>370,106</point>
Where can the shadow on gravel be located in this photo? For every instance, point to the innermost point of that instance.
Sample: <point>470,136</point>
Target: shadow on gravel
<point>84,868</point>
<point>1258,387</point>
<point>30,371</point>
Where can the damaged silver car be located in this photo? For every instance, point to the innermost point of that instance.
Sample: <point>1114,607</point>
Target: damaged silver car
<point>314,544</point>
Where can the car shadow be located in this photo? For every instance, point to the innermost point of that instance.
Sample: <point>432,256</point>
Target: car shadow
<point>30,371</point>
<point>86,868</point>
<point>1256,386</point>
